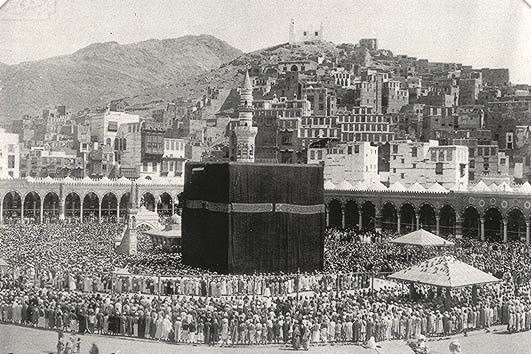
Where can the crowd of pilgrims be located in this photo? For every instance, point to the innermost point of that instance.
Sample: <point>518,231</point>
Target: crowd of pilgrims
<point>62,278</point>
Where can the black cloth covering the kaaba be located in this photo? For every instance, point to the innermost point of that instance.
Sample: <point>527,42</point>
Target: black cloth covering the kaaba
<point>253,238</point>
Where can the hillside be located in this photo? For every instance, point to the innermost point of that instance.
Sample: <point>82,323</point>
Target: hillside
<point>93,76</point>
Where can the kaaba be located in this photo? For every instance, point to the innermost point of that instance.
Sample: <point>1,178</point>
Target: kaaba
<point>245,218</point>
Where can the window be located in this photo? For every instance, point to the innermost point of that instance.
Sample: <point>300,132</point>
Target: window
<point>462,169</point>
<point>402,175</point>
<point>472,163</point>
<point>349,150</point>
<point>439,168</point>
<point>312,155</point>
<point>144,166</point>
<point>356,149</point>
<point>394,170</point>
<point>395,149</point>
<point>401,160</point>
<point>319,154</point>
<point>449,155</point>
<point>471,152</point>
<point>441,155</point>
<point>414,165</point>
<point>10,161</point>
<point>433,156</point>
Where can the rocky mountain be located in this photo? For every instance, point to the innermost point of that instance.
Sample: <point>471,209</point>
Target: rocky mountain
<point>151,70</point>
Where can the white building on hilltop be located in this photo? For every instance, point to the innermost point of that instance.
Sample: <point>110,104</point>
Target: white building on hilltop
<point>9,155</point>
<point>305,35</point>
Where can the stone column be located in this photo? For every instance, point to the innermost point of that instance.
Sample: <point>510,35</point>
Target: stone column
<point>527,232</point>
<point>398,223</point>
<point>482,229</point>
<point>505,230</point>
<point>81,211</point>
<point>42,211</point>
<point>458,228</point>
<point>342,216</point>
<point>117,212</point>
<point>417,216</point>
<point>61,209</point>
<point>437,225</point>
<point>360,220</point>
<point>172,207</point>
<point>99,210</point>
<point>1,211</point>
<point>22,210</point>
<point>327,215</point>
<point>378,223</point>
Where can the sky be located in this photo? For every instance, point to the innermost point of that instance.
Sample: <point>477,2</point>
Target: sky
<point>481,33</point>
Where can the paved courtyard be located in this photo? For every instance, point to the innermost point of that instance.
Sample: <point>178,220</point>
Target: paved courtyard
<point>23,340</point>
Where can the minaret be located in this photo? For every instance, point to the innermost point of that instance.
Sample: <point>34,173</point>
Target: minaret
<point>244,132</point>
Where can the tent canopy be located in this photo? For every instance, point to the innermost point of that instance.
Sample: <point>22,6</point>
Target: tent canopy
<point>422,238</point>
<point>446,272</point>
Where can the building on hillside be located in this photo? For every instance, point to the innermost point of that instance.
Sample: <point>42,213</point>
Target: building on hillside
<point>369,43</point>
<point>483,158</point>
<point>279,123</point>
<point>103,127</point>
<point>438,122</point>
<point>315,128</point>
<point>469,90</point>
<point>495,77</point>
<point>362,124</point>
<point>428,163</point>
<point>174,158</point>
<point>9,155</point>
<point>393,97</point>
<point>323,100</point>
<point>352,162</point>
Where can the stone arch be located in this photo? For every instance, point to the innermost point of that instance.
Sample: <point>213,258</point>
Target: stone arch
<point>447,219</point>
<point>164,205</point>
<point>516,225</point>
<point>408,220</point>
<point>51,207</point>
<point>493,224</point>
<point>471,222</point>
<point>32,206</point>
<point>389,217</point>
<point>294,68</point>
<point>72,205</point>
<point>109,204</point>
<point>148,201</point>
<point>352,214</point>
<point>368,216</point>
<point>427,217</point>
<point>12,204</point>
<point>334,213</point>
<point>91,207</point>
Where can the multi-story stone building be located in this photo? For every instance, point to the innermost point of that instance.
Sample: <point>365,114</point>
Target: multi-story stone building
<point>483,158</point>
<point>351,162</point>
<point>279,126</point>
<point>363,124</point>
<point>314,128</point>
<point>428,163</point>
<point>9,155</point>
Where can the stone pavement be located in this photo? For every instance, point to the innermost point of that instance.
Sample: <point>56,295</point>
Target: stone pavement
<point>24,340</point>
